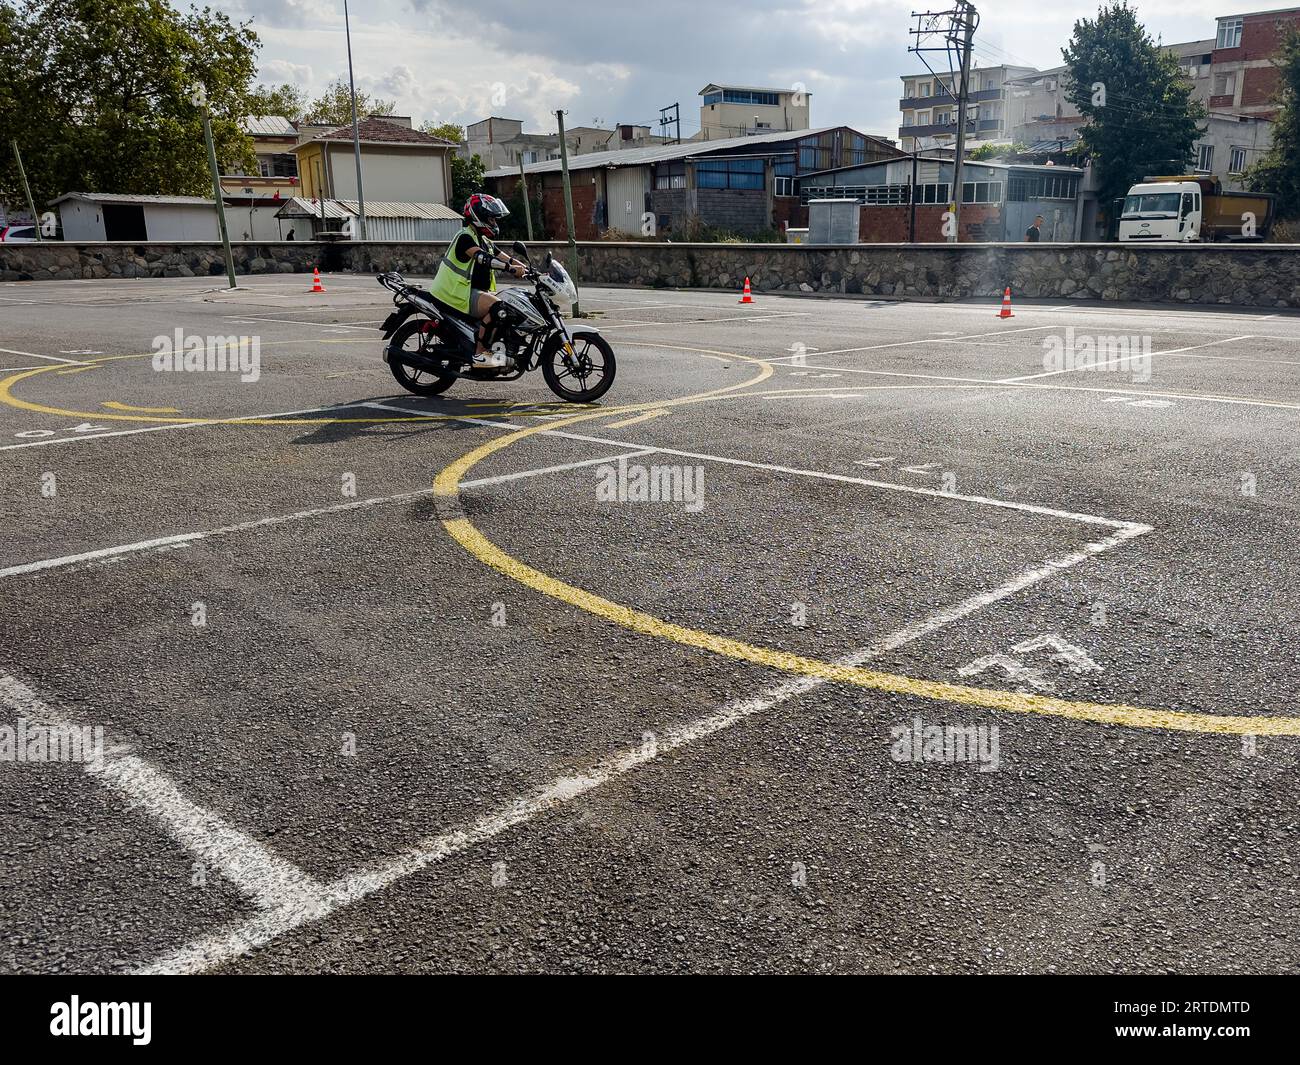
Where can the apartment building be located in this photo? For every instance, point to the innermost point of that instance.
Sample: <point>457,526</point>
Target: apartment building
<point>1244,79</point>
<point>929,106</point>
<point>743,110</point>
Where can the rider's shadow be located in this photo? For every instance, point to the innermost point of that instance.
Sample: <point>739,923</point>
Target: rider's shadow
<point>352,420</point>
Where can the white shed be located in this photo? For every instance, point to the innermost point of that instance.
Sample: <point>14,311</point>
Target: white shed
<point>94,216</point>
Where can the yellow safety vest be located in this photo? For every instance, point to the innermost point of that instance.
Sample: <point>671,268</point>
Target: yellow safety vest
<point>451,284</point>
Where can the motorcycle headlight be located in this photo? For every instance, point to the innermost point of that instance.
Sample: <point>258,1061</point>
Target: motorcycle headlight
<point>563,293</point>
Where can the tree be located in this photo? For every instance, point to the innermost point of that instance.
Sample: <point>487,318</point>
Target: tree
<point>99,93</point>
<point>1141,115</point>
<point>1278,171</point>
<point>287,100</point>
<point>334,105</point>
<point>448,131</point>
<point>466,178</point>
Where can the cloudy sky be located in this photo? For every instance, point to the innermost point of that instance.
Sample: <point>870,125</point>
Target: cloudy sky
<point>610,61</point>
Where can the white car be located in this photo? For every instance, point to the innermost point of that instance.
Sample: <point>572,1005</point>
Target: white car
<point>17,234</point>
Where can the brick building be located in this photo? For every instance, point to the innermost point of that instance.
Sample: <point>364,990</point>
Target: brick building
<point>999,201</point>
<point>743,185</point>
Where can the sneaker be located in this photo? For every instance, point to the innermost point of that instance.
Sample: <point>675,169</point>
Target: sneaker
<point>489,360</point>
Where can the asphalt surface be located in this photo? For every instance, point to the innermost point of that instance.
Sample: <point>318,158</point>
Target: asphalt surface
<point>516,725</point>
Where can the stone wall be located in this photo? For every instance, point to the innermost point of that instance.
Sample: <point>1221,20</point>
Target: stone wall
<point>1261,275</point>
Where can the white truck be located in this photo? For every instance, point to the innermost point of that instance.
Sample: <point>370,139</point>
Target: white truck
<point>1169,210</point>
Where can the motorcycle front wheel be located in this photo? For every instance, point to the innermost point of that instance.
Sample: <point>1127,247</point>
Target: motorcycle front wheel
<point>421,382</point>
<point>584,376</point>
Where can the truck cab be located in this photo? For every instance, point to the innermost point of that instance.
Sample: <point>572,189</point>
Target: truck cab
<point>1162,211</point>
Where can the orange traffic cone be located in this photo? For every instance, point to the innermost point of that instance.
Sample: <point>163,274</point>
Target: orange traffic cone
<point>316,286</point>
<point>745,296</point>
<point>1006,304</point>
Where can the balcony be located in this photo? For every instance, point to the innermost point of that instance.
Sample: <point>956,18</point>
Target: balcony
<point>949,129</point>
<point>981,96</point>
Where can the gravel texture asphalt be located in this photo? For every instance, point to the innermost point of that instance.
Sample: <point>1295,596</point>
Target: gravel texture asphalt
<point>355,724</point>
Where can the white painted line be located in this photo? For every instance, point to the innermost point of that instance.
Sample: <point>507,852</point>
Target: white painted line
<point>925,340</point>
<point>290,321</point>
<point>267,881</point>
<point>177,425</point>
<point>230,942</point>
<point>711,321</point>
<point>34,355</point>
<point>503,478</point>
<point>1118,361</point>
<point>168,542</point>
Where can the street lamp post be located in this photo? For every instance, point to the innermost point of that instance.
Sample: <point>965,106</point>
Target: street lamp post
<point>201,102</point>
<point>356,133</point>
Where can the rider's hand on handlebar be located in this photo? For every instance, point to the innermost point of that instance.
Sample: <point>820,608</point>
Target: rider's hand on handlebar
<point>518,269</point>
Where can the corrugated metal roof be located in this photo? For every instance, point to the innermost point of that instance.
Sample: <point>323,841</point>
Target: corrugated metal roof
<point>269,126</point>
<point>303,207</point>
<point>657,153</point>
<point>381,209</point>
<point>115,197</point>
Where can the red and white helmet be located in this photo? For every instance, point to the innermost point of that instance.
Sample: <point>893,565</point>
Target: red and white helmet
<point>485,212</point>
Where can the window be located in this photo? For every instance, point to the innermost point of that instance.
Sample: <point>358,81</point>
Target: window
<point>923,89</point>
<point>909,119</point>
<point>981,192</point>
<point>1225,84</point>
<point>933,192</point>
<point>783,180</point>
<point>713,98</point>
<point>670,176</point>
<point>1229,33</point>
<point>748,96</point>
<point>1236,160</point>
<point>884,195</point>
<point>1022,187</point>
<point>730,174</point>
<point>923,118</point>
<point>1205,158</point>
<point>277,165</point>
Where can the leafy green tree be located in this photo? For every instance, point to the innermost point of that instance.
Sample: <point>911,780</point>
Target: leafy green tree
<point>334,105</point>
<point>466,178</point>
<point>1141,115</point>
<point>98,94</point>
<point>287,100</point>
<point>448,131</point>
<point>1278,171</point>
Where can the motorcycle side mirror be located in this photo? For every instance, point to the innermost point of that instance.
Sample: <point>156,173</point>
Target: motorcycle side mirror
<point>546,263</point>
<point>520,250</point>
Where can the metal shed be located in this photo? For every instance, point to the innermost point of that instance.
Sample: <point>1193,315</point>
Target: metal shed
<point>384,221</point>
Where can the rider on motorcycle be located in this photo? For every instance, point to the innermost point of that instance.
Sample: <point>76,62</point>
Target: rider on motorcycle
<point>465,281</point>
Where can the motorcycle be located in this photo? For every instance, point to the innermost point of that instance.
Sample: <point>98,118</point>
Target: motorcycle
<point>430,346</point>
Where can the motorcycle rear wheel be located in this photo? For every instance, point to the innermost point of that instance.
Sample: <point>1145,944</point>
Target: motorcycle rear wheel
<point>410,337</point>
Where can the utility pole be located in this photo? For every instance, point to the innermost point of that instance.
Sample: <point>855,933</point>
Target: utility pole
<point>970,18</point>
<point>356,133</point>
<point>957,27</point>
<point>568,203</point>
<point>201,101</point>
<point>523,188</point>
<point>27,189</point>
<point>675,121</point>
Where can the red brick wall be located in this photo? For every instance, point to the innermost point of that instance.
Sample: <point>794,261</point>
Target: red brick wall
<point>1260,36</point>
<point>889,225</point>
<point>584,206</point>
<point>1258,86</point>
<point>787,211</point>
